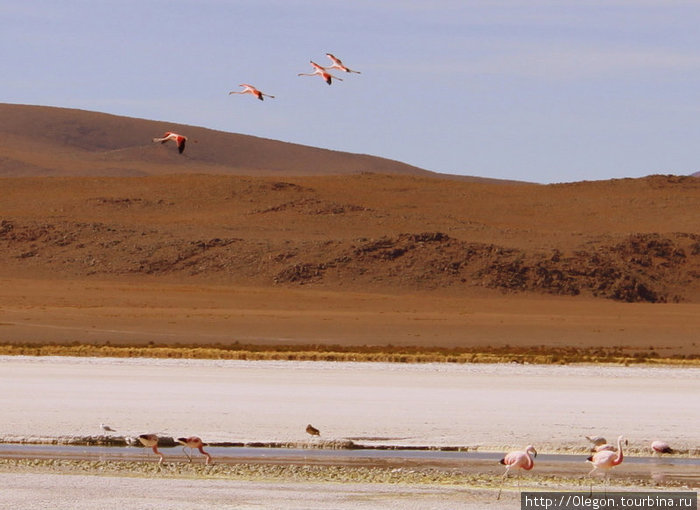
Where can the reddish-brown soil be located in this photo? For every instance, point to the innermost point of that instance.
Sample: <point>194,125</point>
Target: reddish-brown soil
<point>280,242</point>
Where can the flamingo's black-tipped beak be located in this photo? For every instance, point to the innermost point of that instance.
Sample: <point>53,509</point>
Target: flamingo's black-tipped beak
<point>590,459</point>
<point>502,461</point>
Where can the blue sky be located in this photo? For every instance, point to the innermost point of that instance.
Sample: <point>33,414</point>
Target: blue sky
<point>543,91</point>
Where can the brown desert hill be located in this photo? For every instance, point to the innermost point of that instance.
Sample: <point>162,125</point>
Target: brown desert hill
<point>40,140</point>
<point>128,242</point>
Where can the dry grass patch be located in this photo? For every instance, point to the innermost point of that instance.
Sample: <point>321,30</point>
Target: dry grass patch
<point>389,354</point>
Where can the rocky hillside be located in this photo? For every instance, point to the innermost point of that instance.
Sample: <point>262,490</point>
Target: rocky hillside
<point>633,240</point>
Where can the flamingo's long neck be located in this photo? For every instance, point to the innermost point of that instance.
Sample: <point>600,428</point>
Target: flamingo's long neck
<point>157,452</point>
<point>201,450</point>
<point>618,460</point>
<point>530,461</point>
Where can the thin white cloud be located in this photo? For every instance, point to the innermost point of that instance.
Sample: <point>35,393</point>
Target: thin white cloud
<point>572,63</point>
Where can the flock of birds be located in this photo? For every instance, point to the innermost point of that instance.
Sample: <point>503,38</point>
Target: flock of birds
<point>319,70</point>
<point>151,441</point>
<point>188,443</point>
<point>605,455</point>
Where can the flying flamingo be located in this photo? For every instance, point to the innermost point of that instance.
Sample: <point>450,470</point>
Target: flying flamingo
<point>193,442</point>
<point>151,440</point>
<point>659,447</point>
<point>605,460</point>
<point>321,71</point>
<point>518,460</point>
<point>249,89</point>
<point>338,64</point>
<point>178,139</point>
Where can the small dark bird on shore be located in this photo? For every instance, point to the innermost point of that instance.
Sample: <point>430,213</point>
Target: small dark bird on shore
<point>310,429</point>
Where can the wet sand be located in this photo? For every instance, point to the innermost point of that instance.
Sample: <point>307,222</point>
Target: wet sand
<point>77,492</point>
<point>180,485</point>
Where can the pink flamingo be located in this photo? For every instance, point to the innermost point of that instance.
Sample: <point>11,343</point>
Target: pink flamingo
<point>320,71</point>
<point>178,139</point>
<point>605,460</point>
<point>338,64</point>
<point>151,440</point>
<point>659,447</point>
<point>193,442</point>
<point>518,460</point>
<point>249,89</point>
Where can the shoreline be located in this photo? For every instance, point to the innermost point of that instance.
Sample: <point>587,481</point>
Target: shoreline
<point>338,445</point>
<point>468,474</point>
<point>481,477</point>
<point>366,354</point>
<point>272,469</point>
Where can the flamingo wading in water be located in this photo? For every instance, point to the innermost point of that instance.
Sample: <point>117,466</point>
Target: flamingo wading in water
<point>518,460</point>
<point>605,460</point>
<point>249,89</point>
<point>193,442</point>
<point>151,441</point>
<point>321,71</point>
<point>178,139</point>
<point>338,64</point>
